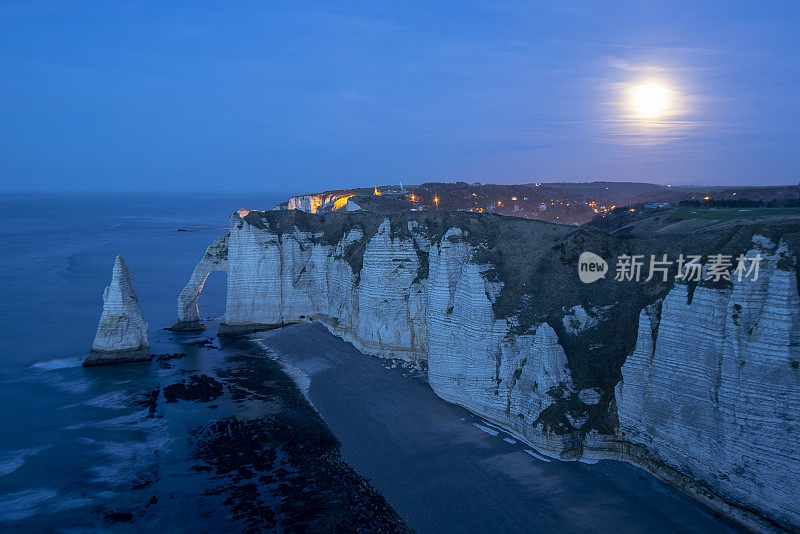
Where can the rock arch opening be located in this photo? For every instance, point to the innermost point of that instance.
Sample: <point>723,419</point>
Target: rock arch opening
<point>214,259</point>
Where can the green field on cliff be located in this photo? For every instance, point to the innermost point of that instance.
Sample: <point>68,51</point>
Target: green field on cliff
<point>731,213</point>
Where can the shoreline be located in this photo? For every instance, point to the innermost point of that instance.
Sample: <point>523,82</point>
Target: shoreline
<point>588,449</point>
<point>404,420</point>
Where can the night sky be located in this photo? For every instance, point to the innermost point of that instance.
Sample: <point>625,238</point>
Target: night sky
<point>304,96</point>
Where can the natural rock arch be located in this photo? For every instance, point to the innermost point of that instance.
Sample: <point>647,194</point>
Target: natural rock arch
<point>215,259</point>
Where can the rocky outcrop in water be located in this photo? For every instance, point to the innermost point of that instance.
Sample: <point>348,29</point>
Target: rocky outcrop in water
<point>700,388</point>
<point>122,332</point>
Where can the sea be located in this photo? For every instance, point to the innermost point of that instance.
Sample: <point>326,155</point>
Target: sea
<point>214,435</point>
<point>216,439</point>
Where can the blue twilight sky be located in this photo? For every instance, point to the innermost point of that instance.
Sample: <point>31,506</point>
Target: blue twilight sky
<point>303,96</point>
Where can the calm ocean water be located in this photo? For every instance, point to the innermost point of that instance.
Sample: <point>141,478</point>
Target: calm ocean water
<point>74,438</point>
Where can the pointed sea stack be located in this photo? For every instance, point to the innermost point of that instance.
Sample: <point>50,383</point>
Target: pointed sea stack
<point>122,332</point>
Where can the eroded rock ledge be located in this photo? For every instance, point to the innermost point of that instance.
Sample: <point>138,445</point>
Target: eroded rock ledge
<point>698,385</point>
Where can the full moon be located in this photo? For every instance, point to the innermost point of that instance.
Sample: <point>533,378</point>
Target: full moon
<point>650,100</point>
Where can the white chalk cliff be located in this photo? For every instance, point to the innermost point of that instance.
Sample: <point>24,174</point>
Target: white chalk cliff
<point>713,389</point>
<point>319,202</point>
<point>709,398</point>
<point>122,332</point>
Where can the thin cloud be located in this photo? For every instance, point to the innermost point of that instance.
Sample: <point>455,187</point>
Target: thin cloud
<point>688,49</point>
<point>623,64</point>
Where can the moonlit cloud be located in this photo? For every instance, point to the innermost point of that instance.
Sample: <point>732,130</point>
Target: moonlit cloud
<point>625,65</point>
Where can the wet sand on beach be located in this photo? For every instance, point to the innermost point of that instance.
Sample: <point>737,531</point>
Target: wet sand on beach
<point>444,470</point>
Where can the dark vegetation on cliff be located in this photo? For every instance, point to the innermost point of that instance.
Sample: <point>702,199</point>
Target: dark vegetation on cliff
<point>706,232</point>
<point>536,262</point>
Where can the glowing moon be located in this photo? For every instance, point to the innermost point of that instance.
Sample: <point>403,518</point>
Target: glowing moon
<point>650,100</point>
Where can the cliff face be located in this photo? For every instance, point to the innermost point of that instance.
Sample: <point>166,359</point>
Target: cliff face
<point>473,360</point>
<point>707,397</point>
<point>713,387</point>
<point>122,332</point>
<point>322,201</point>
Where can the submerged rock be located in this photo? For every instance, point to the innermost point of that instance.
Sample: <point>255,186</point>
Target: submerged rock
<point>168,356</point>
<point>119,517</point>
<point>200,388</point>
<point>122,332</point>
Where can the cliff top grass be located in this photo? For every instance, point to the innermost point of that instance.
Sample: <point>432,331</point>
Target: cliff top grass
<point>731,213</point>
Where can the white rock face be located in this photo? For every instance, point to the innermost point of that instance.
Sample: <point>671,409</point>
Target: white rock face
<point>319,202</point>
<point>214,259</point>
<point>713,388</point>
<point>710,398</point>
<point>122,332</point>
<point>590,396</point>
<point>577,320</point>
<point>473,362</point>
<point>390,319</point>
